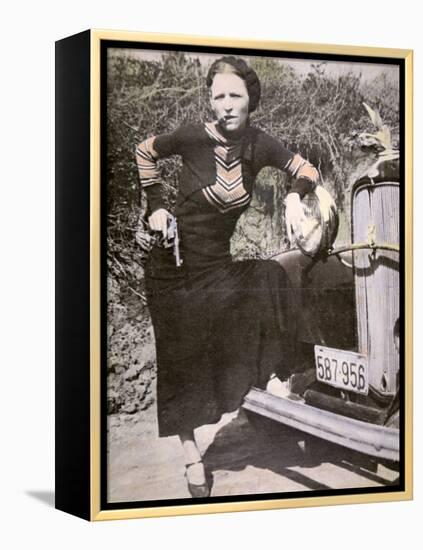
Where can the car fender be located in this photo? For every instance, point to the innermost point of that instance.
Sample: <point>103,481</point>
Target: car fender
<point>324,298</point>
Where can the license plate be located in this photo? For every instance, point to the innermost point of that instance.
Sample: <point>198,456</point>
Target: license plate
<point>343,369</point>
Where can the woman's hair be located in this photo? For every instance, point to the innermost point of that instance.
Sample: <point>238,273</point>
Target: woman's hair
<point>235,65</point>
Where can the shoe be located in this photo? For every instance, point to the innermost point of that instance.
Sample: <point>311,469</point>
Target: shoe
<point>197,490</point>
<point>275,386</point>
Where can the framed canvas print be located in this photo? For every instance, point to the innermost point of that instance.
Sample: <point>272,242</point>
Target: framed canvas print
<point>233,275</point>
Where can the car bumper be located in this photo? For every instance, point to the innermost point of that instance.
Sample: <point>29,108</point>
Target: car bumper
<point>371,439</point>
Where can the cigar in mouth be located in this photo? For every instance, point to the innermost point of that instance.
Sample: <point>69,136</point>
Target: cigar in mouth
<point>226,118</point>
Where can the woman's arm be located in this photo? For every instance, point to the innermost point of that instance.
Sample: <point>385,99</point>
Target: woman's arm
<point>272,153</point>
<point>148,153</point>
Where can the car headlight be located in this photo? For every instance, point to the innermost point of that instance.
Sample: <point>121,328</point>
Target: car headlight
<point>318,231</point>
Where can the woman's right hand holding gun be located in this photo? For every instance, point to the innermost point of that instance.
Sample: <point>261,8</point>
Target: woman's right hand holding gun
<point>158,221</point>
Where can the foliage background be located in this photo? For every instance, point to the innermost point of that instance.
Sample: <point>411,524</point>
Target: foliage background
<point>318,112</point>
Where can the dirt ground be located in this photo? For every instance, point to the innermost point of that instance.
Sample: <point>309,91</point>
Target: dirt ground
<point>240,457</point>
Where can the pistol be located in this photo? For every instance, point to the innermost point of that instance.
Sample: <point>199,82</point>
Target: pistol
<point>173,239</point>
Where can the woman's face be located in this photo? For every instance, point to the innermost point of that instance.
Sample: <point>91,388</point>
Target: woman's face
<point>229,100</point>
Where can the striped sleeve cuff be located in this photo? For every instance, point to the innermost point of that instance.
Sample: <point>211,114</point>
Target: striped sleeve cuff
<point>146,156</point>
<point>306,175</point>
<point>149,174</point>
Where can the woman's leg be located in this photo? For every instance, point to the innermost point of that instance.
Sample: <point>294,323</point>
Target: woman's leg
<point>195,468</point>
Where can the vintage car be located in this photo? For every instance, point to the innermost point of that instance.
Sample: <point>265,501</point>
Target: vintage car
<point>345,376</point>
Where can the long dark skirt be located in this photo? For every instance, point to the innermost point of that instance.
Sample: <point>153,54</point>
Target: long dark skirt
<point>218,332</point>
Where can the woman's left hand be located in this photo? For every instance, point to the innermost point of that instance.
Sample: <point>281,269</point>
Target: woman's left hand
<point>294,216</point>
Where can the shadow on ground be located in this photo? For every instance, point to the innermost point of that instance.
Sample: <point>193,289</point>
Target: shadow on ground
<point>46,497</point>
<point>267,445</point>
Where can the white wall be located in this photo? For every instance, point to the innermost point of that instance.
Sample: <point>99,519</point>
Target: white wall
<point>29,30</point>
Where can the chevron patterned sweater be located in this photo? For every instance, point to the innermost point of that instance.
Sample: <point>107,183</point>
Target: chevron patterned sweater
<point>223,169</point>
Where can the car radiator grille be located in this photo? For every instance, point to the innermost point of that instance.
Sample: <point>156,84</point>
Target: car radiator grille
<point>375,216</point>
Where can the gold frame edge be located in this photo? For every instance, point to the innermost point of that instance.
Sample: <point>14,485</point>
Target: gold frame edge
<point>96,514</point>
<point>198,40</point>
<point>408,226</point>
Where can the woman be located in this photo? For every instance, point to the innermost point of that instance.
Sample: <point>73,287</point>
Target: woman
<point>220,326</point>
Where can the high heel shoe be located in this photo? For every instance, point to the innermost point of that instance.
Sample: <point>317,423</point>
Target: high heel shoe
<point>196,490</point>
